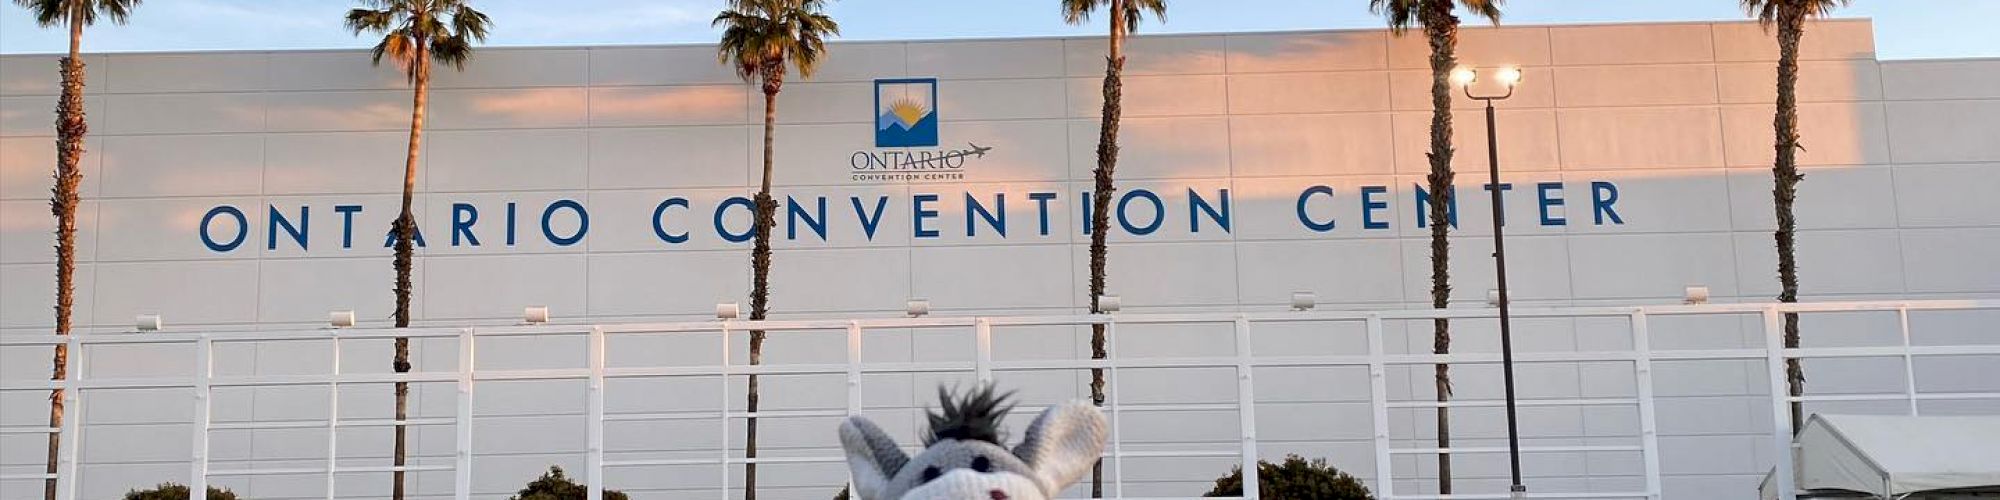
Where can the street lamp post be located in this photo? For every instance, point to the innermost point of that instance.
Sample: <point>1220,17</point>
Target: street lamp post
<point>1508,77</point>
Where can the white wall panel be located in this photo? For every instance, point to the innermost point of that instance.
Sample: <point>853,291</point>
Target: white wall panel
<point>1023,151</point>
<point>683,105</point>
<point>1829,198</point>
<point>1640,138</point>
<point>455,221</point>
<point>515,68</point>
<point>182,165</point>
<point>1325,51</point>
<point>29,300</point>
<point>329,226</point>
<point>1537,269</point>
<point>1527,138</point>
<point>1962,79</point>
<point>1479,45</point>
<point>1310,145</point>
<point>995,100</point>
<point>1308,92</point>
<point>1830,262</point>
<point>1819,81</point>
<point>465,287</point>
<point>28,166</point>
<point>854,62</point>
<point>661,282</point>
<point>359,285</point>
<point>189,293</point>
<point>1270,271</point>
<point>1153,96</point>
<point>337,163</point>
<point>180,114</point>
<point>36,115</point>
<point>805,281</point>
<point>814,102</point>
<point>626,158</point>
<point>1947,195</point>
<point>1034,276</point>
<point>1671,263</point>
<point>658,66</point>
<point>1951,260</point>
<point>986,59</point>
<point>162,73</point>
<point>507,108</point>
<point>1943,131</point>
<point>1156,274</point>
<point>1156,148</point>
<point>1647,203</point>
<point>1410,90</point>
<point>1633,85</point>
<point>1846,134</point>
<point>1630,44</point>
<point>1828,39</point>
<point>28,232</point>
<point>383,110</point>
<point>333,70</point>
<point>506,160</point>
<point>1149,55</point>
<point>40,74</point>
<point>168,228</point>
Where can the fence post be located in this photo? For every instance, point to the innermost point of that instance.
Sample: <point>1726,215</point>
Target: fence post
<point>723,376</point>
<point>854,367</point>
<point>1117,407</point>
<point>462,458</point>
<point>1246,404</point>
<point>204,367</point>
<point>72,428</point>
<point>1378,399</point>
<point>594,457</point>
<point>982,346</point>
<point>1649,435</point>
<point>333,417</point>
<point>1909,360</point>
<point>1781,420</point>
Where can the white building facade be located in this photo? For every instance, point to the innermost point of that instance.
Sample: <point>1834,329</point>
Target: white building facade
<point>254,190</point>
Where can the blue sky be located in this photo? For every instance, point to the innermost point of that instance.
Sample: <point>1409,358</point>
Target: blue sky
<point>1905,29</point>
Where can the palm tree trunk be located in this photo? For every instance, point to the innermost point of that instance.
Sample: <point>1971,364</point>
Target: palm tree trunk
<point>760,275</point>
<point>1441,28</point>
<point>406,230</point>
<point>1785,188</point>
<point>70,129</point>
<point>1101,193</point>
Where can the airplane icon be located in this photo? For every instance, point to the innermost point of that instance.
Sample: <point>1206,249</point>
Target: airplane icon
<point>976,151</point>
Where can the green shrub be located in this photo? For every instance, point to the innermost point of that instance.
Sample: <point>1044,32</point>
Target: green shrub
<point>555,486</point>
<point>1296,479</point>
<point>171,491</point>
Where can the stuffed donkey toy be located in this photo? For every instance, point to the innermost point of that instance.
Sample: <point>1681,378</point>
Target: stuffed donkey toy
<point>964,459</point>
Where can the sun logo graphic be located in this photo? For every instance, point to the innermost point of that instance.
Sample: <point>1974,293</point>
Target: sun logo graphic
<point>906,113</point>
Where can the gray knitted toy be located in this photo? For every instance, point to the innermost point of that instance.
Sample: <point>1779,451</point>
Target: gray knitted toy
<point>963,458</point>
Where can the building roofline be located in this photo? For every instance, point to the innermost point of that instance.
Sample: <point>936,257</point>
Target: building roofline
<point>1141,34</point>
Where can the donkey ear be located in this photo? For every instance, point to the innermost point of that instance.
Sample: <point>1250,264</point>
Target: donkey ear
<point>1063,443</point>
<point>872,456</point>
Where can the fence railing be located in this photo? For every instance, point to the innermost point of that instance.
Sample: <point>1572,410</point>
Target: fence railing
<point>1243,326</point>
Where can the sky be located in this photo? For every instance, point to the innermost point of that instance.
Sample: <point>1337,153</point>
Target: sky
<point>1905,29</point>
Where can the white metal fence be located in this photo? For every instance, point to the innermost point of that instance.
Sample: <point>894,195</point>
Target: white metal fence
<point>1244,326</point>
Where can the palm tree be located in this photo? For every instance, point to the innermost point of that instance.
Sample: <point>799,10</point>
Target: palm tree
<point>1790,18</point>
<point>414,33</point>
<point>1125,16</point>
<point>1441,29</point>
<point>761,39</point>
<point>70,129</point>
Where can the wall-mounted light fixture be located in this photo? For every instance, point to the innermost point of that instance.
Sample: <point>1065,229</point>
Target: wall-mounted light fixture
<point>917,307</point>
<point>341,319</point>
<point>1302,301</point>
<point>535,315</point>
<point>148,322</point>
<point>1109,304</point>
<point>728,310</point>
<point>1696,294</point>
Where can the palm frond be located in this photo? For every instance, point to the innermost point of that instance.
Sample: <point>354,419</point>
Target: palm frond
<point>1767,12</point>
<point>760,37</point>
<point>51,13</point>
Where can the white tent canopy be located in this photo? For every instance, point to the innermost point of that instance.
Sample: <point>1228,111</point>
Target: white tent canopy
<point>1895,456</point>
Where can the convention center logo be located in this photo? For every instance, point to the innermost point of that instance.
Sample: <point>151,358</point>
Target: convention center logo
<point>906,137</point>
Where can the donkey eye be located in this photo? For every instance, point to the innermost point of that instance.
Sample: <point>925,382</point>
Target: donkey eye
<point>929,474</point>
<point>981,464</point>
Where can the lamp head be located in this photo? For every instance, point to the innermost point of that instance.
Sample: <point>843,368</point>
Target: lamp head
<point>1463,76</point>
<point>1508,76</point>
